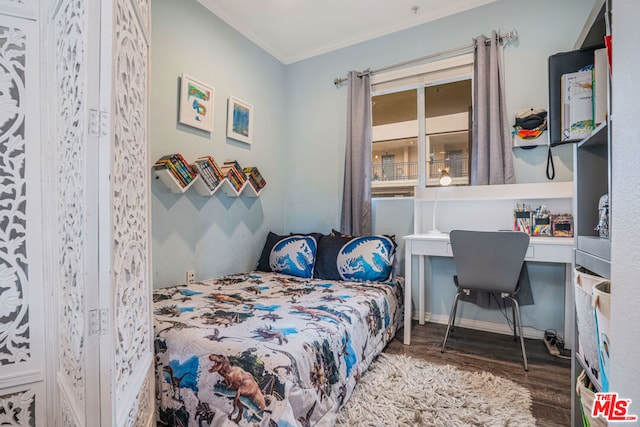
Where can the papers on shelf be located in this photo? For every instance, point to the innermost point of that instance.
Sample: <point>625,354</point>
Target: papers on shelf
<point>577,107</point>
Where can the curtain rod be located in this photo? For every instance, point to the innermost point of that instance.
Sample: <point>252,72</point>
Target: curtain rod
<point>504,39</point>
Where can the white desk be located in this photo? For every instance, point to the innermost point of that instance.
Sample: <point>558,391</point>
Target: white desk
<point>541,249</point>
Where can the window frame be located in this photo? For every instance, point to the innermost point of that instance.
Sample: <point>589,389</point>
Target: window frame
<point>418,78</point>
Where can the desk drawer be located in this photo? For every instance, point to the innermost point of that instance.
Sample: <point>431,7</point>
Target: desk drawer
<point>550,253</point>
<point>433,248</point>
<point>530,254</point>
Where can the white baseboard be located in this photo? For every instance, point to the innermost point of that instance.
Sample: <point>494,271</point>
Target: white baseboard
<point>479,325</point>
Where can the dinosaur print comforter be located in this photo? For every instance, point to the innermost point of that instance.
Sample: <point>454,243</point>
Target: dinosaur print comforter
<point>267,349</point>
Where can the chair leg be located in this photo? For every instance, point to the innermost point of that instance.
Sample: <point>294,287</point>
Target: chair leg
<point>513,316</point>
<point>455,313</point>
<point>516,306</point>
<point>452,320</point>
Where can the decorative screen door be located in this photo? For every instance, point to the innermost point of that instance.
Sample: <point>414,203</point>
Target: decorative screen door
<point>75,287</point>
<point>72,66</point>
<point>125,170</point>
<point>22,349</point>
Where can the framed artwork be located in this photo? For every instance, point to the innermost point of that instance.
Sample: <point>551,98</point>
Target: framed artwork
<point>196,103</point>
<point>240,120</point>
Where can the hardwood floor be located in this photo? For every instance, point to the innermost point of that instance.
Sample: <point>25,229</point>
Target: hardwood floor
<point>548,379</point>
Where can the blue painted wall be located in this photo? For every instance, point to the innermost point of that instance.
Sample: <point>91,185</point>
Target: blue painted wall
<point>213,235</point>
<point>317,111</point>
<point>300,133</point>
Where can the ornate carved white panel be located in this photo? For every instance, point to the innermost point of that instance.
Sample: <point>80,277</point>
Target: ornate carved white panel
<point>23,406</point>
<point>21,287</point>
<point>144,7</point>
<point>76,189</point>
<point>18,409</point>
<point>15,333</point>
<point>142,410</point>
<point>68,417</point>
<point>70,140</point>
<point>130,212</point>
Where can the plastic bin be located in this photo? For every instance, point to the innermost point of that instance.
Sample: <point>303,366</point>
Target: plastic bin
<point>586,394</point>
<point>602,304</point>
<point>584,282</point>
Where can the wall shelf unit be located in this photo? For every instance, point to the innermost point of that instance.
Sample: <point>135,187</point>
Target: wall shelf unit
<point>203,189</point>
<point>227,188</point>
<point>592,180</point>
<point>592,170</point>
<point>207,178</point>
<point>210,176</point>
<point>171,182</point>
<point>175,173</point>
<point>250,191</point>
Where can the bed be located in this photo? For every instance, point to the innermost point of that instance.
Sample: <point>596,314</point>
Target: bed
<point>268,348</point>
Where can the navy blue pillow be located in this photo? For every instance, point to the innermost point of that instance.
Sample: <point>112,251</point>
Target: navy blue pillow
<point>263,261</point>
<point>363,259</point>
<point>294,254</point>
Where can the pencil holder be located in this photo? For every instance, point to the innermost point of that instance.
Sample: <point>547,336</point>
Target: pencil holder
<point>541,226</point>
<point>522,221</point>
<point>562,225</point>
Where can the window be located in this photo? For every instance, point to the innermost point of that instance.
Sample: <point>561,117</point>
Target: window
<point>395,136</point>
<point>439,95</point>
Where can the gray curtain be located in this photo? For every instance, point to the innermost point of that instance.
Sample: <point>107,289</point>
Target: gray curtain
<point>356,196</point>
<point>491,158</point>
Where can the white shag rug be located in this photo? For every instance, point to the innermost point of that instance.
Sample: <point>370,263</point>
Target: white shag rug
<point>398,390</point>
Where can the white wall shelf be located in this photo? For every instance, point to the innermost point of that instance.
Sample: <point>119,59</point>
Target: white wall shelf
<point>203,189</point>
<point>486,207</point>
<point>172,183</point>
<point>599,137</point>
<point>250,191</point>
<point>529,191</point>
<point>228,189</point>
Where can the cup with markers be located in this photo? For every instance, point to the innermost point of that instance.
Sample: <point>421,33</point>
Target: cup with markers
<point>541,222</point>
<point>522,218</point>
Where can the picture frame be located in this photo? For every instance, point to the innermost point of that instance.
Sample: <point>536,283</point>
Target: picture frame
<point>196,103</point>
<point>239,120</point>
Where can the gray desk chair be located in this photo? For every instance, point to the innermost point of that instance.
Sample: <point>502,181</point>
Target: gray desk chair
<point>488,262</point>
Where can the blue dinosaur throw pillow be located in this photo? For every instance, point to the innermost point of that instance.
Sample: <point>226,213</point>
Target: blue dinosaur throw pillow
<point>364,259</point>
<point>294,255</point>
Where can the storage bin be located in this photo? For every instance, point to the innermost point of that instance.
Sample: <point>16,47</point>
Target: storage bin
<point>584,282</point>
<point>522,221</point>
<point>602,304</point>
<point>562,225</point>
<point>541,226</point>
<point>586,394</point>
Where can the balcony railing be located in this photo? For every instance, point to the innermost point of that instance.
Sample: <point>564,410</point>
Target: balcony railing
<point>396,171</point>
<point>408,171</point>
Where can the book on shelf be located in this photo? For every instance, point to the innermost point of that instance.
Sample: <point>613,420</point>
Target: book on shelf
<point>166,165</point>
<point>178,166</point>
<point>209,171</point>
<point>600,71</point>
<point>255,178</point>
<point>237,167</point>
<point>576,107</point>
<point>232,170</point>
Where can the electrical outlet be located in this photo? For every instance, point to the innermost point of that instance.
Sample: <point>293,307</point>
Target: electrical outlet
<point>191,276</point>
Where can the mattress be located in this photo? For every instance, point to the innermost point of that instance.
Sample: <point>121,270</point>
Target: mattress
<point>267,349</point>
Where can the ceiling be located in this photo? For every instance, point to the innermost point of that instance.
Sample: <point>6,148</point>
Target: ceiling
<point>292,30</point>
